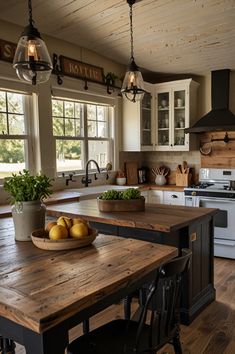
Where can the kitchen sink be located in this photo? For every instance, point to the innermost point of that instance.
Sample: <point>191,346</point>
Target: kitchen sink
<point>93,192</point>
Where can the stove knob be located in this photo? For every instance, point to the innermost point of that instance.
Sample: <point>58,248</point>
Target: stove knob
<point>193,194</point>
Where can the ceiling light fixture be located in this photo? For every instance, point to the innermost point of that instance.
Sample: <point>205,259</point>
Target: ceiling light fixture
<point>32,60</point>
<point>133,84</point>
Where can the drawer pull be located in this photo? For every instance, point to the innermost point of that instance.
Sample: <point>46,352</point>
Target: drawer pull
<point>193,237</point>
<point>174,196</point>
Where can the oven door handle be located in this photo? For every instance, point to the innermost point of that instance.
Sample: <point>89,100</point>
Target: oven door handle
<point>212,199</point>
<point>224,242</point>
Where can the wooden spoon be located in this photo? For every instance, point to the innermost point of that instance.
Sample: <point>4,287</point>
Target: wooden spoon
<point>185,166</point>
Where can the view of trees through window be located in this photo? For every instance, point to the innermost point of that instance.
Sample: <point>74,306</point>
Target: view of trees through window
<point>81,131</point>
<point>13,138</point>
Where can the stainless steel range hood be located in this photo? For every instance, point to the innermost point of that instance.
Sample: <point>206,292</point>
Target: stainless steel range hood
<point>220,118</point>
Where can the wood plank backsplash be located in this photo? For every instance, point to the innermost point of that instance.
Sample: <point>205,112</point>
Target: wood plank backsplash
<point>219,153</point>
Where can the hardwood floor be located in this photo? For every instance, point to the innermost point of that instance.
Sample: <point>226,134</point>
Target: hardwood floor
<point>213,332</point>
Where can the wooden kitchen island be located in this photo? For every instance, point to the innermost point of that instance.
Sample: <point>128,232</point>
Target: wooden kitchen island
<point>177,226</point>
<point>43,294</point>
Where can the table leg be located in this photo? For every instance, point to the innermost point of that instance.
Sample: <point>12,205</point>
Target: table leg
<point>86,326</point>
<point>52,341</point>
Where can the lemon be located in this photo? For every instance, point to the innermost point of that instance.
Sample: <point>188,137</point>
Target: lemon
<point>58,232</point>
<point>79,230</point>
<point>50,224</point>
<point>78,220</point>
<point>65,221</point>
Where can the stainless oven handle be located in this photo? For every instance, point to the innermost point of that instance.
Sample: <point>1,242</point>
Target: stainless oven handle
<point>217,200</point>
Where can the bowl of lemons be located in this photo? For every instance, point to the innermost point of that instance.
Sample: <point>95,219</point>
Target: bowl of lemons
<point>64,234</point>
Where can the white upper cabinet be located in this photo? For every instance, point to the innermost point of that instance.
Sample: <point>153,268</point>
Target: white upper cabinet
<point>137,123</point>
<point>157,123</point>
<point>176,104</point>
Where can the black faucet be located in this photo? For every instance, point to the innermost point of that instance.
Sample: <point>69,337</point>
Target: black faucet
<point>70,179</point>
<point>86,180</point>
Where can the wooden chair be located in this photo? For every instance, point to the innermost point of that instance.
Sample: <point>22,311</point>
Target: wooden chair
<point>132,337</point>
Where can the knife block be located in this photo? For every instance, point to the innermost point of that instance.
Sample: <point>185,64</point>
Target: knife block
<point>183,179</point>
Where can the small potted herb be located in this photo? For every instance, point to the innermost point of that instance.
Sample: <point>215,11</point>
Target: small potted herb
<point>27,193</point>
<point>120,178</point>
<point>110,78</point>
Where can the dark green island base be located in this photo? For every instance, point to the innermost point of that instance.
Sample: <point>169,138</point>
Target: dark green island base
<point>166,224</point>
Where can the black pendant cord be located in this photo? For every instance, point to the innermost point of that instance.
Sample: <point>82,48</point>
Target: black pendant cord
<point>131,33</point>
<point>30,12</point>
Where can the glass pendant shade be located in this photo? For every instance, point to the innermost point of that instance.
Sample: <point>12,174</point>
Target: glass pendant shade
<point>32,60</point>
<point>133,83</point>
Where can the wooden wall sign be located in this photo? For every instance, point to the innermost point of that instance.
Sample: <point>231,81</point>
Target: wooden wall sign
<point>7,50</point>
<point>69,67</point>
<point>78,69</point>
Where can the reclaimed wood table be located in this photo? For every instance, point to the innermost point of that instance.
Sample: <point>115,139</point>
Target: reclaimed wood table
<point>179,226</point>
<point>45,293</point>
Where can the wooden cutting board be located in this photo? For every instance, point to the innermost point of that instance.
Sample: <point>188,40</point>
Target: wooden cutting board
<point>131,173</point>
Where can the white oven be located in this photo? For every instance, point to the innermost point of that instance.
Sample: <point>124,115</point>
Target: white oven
<point>214,192</point>
<point>224,222</point>
<point>224,225</point>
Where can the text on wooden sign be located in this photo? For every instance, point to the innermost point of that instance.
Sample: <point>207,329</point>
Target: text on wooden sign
<point>7,50</point>
<point>78,69</point>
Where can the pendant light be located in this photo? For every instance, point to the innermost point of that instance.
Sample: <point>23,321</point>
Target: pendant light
<point>32,60</point>
<point>133,84</point>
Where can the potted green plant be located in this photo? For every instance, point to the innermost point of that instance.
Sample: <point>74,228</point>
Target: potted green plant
<point>28,211</point>
<point>110,78</point>
<point>127,200</point>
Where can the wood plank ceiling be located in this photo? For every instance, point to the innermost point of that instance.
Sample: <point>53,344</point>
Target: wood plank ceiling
<point>170,36</point>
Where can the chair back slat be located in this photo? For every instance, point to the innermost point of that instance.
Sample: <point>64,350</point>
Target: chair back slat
<point>162,300</point>
<point>178,265</point>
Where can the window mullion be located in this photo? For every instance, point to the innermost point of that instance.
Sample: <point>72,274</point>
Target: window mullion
<point>14,137</point>
<point>64,117</point>
<point>86,152</point>
<point>96,119</point>
<point>8,128</point>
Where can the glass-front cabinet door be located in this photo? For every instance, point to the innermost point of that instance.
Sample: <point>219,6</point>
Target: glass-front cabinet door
<point>175,111</point>
<point>146,121</point>
<point>179,117</point>
<point>163,117</point>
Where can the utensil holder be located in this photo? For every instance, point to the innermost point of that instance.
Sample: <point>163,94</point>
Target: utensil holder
<point>183,179</point>
<point>160,180</point>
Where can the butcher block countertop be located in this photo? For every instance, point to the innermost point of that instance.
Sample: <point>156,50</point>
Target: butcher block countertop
<point>157,217</point>
<point>166,187</point>
<point>41,289</point>
<point>70,195</point>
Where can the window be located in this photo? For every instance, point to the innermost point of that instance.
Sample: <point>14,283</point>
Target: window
<point>82,132</point>
<point>13,132</point>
